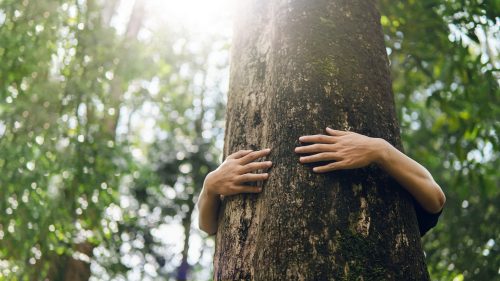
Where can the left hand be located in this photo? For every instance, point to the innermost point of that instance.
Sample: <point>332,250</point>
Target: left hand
<point>350,150</point>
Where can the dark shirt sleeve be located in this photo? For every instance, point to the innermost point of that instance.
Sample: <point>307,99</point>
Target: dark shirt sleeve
<point>426,220</point>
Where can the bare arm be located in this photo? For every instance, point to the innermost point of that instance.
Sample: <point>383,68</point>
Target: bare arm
<point>229,179</point>
<point>351,150</point>
<point>412,176</point>
<point>208,205</point>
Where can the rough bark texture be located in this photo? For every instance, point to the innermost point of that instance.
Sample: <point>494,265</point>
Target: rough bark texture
<point>297,67</point>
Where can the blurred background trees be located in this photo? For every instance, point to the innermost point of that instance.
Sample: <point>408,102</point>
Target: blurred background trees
<point>445,67</point>
<point>112,113</point>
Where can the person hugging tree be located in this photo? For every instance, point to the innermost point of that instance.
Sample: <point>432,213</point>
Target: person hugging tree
<point>348,150</point>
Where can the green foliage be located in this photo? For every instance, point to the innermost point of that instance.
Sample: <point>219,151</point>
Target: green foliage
<point>444,57</point>
<point>187,112</point>
<point>105,138</point>
<point>59,154</point>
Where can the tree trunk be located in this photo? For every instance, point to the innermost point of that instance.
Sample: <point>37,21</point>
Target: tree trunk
<point>298,67</point>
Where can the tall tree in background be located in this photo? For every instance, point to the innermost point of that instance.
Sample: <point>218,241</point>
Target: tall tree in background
<point>299,66</point>
<point>69,268</point>
<point>62,158</point>
<point>190,122</point>
<point>71,90</point>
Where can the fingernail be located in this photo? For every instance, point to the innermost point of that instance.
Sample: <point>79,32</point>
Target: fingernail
<point>301,138</point>
<point>315,169</point>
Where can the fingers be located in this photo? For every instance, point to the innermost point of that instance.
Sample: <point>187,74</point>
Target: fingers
<point>330,138</point>
<point>314,148</point>
<point>330,167</point>
<point>239,154</point>
<point>336,132</point>
<point>252,177</point>
<point>318,139</point>
<point>248,189</point>
<point>251,167</point>
<point>324,156</point>
<point>252,156</point>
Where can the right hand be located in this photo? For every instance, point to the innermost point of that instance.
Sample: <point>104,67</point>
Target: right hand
<point>230,177</point>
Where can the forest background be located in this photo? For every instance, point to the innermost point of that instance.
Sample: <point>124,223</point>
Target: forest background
<point>106,105</point>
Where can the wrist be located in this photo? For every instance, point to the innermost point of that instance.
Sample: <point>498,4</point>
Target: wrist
<point>208,185</point>
<point>382,148</point>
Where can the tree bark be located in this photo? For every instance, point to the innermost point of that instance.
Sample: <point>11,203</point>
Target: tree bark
<point>297,67</point>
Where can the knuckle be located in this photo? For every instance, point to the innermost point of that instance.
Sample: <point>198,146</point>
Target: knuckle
<point>245,169</point>
<point>249,156</point>
<point>261,164</point>
<point>250,167</point>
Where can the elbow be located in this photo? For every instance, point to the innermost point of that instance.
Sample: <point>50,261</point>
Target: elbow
<point>203,228</point>
<point>208,230</point>
<point>440,199</point>
<point>435,198</point>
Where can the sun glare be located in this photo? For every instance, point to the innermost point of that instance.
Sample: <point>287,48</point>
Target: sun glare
<point>212,16</point>
<point>199,16</point>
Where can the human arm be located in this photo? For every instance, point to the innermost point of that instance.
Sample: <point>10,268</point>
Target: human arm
<point>208,206</point>
<point>352,150</point>
<point>229,179</point>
